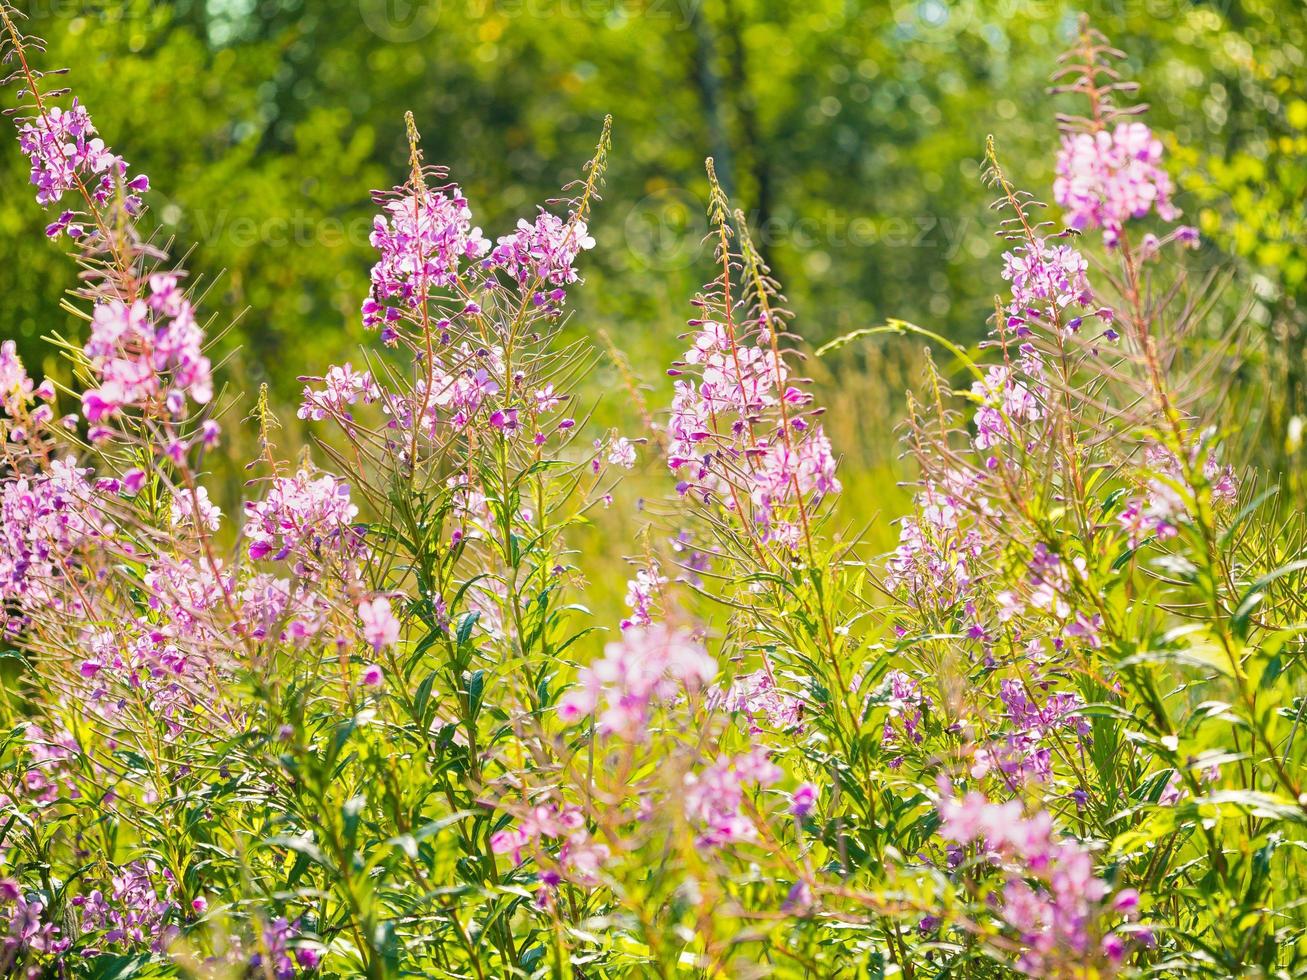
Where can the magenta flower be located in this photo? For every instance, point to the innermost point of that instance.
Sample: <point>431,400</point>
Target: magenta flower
<point>1106,178</point>
<point>645,668</point>
<point>380,627</point>
<point>65,153</point>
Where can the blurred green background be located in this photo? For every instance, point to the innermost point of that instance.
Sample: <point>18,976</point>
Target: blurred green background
<point>850,132</point>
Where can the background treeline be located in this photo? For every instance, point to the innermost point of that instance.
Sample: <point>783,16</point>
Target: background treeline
<point>850,132</point>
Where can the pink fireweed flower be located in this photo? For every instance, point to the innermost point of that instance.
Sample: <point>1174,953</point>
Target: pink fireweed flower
<point>65,152</point>
<point>547,399</point>
<point>1049,282</point>
<point>803,800</point>
<point>45,521</point>
<point>714,797</point>
<point>269,604</point>
<point>1051,899</point>
<point>380,627</point>
<point>136,910</point>
<point>1025,751</point>
<point>905,701</point>
<point>621,452</point>
<point>187,506</point>
<point>342,387</point>
<point>1108,177</point>
<point>645,668</point>
<point>542,252</point>
<point>1007,406</point>
<point>422,239</point>
<point>557,837</point>
<point>642,593</point>
<point>305,519</point>
<point>937,557</point>
<point>16,388</point>
<point>762,704</point>
<point>805,469</point>
<point>148,353</point>
<point>284,961</point>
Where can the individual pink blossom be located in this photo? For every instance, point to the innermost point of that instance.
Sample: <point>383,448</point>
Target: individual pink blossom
<point>342,387</point>
<point>621,452</point>
<point>803,800</point>
<point>643,593</point>
<point>380,627</point>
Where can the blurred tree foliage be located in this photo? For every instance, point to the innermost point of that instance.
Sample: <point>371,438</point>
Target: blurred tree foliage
<point>850,131</point>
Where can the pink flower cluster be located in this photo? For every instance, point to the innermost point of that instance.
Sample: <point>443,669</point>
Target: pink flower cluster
<point>136,912</point>
<point>24,925</point>
<point>45,520</point>
<point>284,960</point>
<point>903,721</point>
<point>643,594</point>
<point>579,857</point>
<point>644,668</point>
<point>715,797</point>
<point>342,387</point>
<point>1007,404</point>
<point>802,470</point>
<point>23,417</point>
<point>541,253</point>
<point>306,520</point>
<point>148,353</point>
<point>1052,899</point>
<point>935,555</point>
<point>1107,177</point>
<point>66,155</point>
<point>422,238</point>
<point>1163,505</point>
<point>460,390</point>
<point>739,432</point>
<point>757,699</point>
<point>273,607</point>
<point>133,913</point>
<point>1026,750</point>
<point>380,627</point>
<point>1050,283</point>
